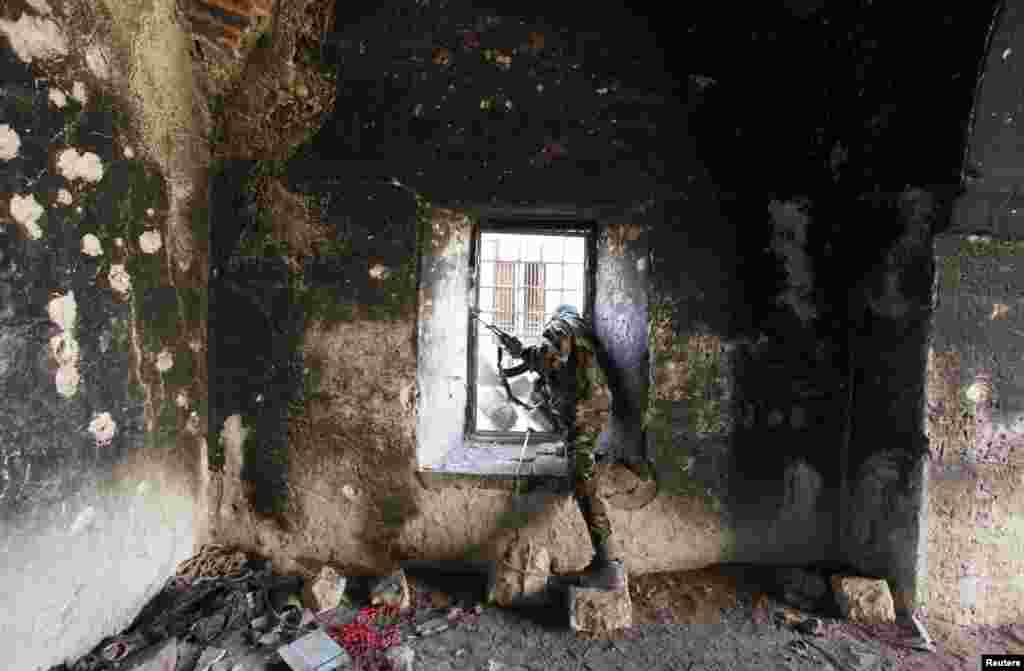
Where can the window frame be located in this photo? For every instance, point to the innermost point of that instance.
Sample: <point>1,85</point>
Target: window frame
<point>555,226</point>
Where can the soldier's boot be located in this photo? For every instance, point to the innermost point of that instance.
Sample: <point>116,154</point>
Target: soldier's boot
<point>601,573</point>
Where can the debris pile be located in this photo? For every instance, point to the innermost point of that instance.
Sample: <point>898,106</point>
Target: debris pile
<point>226,611</point>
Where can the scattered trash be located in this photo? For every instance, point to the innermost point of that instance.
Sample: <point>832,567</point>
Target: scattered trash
<point>165,658</point>
<point>115,651</point>
<point>254,601</point>
<point>434,626</point>
<point>271,638</point>
<point>812,626</point>
<point>401,657</point>
<point>210,657</point>
<point>494,665</point>
<point>314,652</point>
<point>392,591</point>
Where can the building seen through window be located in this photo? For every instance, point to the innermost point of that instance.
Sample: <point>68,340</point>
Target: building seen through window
<point>522,279</point>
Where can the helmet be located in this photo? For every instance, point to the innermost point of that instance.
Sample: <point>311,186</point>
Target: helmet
<point>566,308</point>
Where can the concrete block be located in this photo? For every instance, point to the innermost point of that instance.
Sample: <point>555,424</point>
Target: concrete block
<point>522,578</point>
<point>328,590</point>
<point>599,611</point>
<point>864,600</point>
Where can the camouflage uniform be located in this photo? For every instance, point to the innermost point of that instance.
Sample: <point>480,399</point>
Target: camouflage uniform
<point>568,370</point>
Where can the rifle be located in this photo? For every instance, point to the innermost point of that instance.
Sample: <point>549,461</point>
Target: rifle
<point>515,348</point>
<point>508,341</point>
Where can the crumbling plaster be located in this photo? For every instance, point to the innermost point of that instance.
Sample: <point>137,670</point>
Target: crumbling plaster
<point>101,466</point>
<point>975,424</point>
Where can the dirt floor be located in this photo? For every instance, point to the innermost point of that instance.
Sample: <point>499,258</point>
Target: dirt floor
<point>731,621</point>
<point>716,618</point>
<point>709,596</point>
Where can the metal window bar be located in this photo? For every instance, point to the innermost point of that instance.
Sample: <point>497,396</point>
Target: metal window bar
<point>520,302</point>
<point>519,292</point>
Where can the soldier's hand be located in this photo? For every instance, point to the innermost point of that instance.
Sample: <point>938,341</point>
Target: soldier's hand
<point>514,347</point>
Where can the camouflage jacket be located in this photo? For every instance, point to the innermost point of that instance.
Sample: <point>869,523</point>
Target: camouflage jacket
<point>571,387</point>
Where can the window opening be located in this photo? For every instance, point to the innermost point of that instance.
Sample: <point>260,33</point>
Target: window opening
<point>522,278</point>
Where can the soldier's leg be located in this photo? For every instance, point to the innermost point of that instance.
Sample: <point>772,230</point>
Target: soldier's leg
<point>603,572</point>
<point>591,505</point>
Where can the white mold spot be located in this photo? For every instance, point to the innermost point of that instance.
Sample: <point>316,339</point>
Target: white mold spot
<point>58,98</point>
<point>164,361</point>
<point>78,92</point>
<point>10,142</point>
<point>64,349</point>
<point>34,38</point>
<point>26,210</point>
<point>120,280</point>
<point>64,197</point>
<point>193,424</point>
<point>91,245</point>
<point>67,380</point>
<point>103,428</point>
<point>73,165</point>
<point>63,311</point>
<point>150,242</point>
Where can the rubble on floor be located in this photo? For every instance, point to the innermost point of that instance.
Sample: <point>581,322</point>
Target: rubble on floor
<point>864,600</point>
<point>600,612</point>
<point>802,588</point>
<point>224,611</point>
<point>522,576</point>
<point>328,590</point>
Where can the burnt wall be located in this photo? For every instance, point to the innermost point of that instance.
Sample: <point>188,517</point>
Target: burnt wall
<point>620,324</point>
<point>974,414</point>
<point>101,348</point>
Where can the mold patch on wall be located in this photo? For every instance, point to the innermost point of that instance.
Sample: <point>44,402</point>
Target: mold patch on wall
<point>975,423</point>
<point>686,420</point>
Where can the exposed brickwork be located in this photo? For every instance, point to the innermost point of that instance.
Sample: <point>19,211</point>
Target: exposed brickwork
<point>224,23</point>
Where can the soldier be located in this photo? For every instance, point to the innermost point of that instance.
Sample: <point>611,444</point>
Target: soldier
<point>567,366</point>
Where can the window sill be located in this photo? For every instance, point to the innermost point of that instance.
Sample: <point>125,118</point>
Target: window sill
<point>495,465</point>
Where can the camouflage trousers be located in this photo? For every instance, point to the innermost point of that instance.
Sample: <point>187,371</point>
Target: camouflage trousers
<point>585,491</point>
